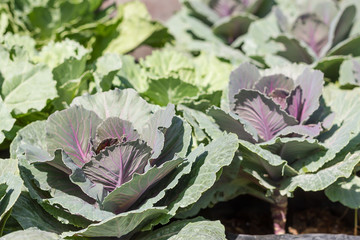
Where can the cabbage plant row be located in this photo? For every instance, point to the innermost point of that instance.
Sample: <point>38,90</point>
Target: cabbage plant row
<point>241,97</point>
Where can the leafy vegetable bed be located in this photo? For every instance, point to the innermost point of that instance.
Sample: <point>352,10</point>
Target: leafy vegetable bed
<point>99,140</point>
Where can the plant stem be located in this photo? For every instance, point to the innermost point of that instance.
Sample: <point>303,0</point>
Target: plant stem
<point>278,212</point>
<point>356,222</point>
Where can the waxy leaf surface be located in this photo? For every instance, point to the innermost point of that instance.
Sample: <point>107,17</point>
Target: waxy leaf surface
<point>71,130</point>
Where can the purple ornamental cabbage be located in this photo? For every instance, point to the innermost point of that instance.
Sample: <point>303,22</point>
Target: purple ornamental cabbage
<point>292,133</point>
<point>275,105</point>
<point>321,32</point>
<point>266,109</point>
<point>229,19</point>
<point>323,26</point>
<point>103,152</point>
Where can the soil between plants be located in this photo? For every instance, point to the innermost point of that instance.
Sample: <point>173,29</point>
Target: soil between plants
<point>307,213</point>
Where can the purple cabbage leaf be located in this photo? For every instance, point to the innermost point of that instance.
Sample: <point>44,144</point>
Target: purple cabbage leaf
<point>310,29</point>
<point>117,164</point>
<point>71,130</point>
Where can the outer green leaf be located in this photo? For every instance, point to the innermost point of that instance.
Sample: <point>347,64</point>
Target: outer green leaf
<point>77,206</point>
<point>153,131</point>
<point>9,166</point>
<point>70,89</point>
<point>67,203</point>
<point>211,73</point>
<point>121,224</point>
<point>355,27</point>
<point>344,23</point>
<point>170,90</point>
<point>177,141</point>
<point>215,156</point>
<point>7,121</point>
<point>31,234</point>
<point>345,127</point>
<point>192,25</point>
<point>47,20</point>
<point>165,63</point>
<point>294,50</point>
<point>10,185</point>
<point>29,214</point>
<point>21,81</point>
<point>202,231</point>
<point>254,154</point>
<point>324,177</point>
<point>330,66</point>
<point>222,51</point>
<point>290,70</point>
<point>231,27</point>
<point>346,47</point>
<point>45,177</point>
<point>133,74</point>
<point>346,191</point>
<point>135,24</point>
<point>25,42</point>
<point>202,10</point>
<point>256,40</point>
<point>203,73</point>
<point>171,182</point>
<point>227,187</point>
<point>187,113</point>
<point>106,68</point>
<point>4,20</point>
<point>68,61</point>
<point>183,27</point>
<point>165,232</point>
<point>295,150</point>
<point>55,54</point>
<point>350,72</point>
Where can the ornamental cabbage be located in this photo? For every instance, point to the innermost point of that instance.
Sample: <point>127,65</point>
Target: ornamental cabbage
<point>320,32</point>
<point>102,153</point>
<point>275,105</point>
<point>292,133</point>
<point>110,165</point>
<point>229,19</point>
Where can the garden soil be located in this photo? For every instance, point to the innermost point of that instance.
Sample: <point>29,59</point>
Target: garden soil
<point>307,213</point>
